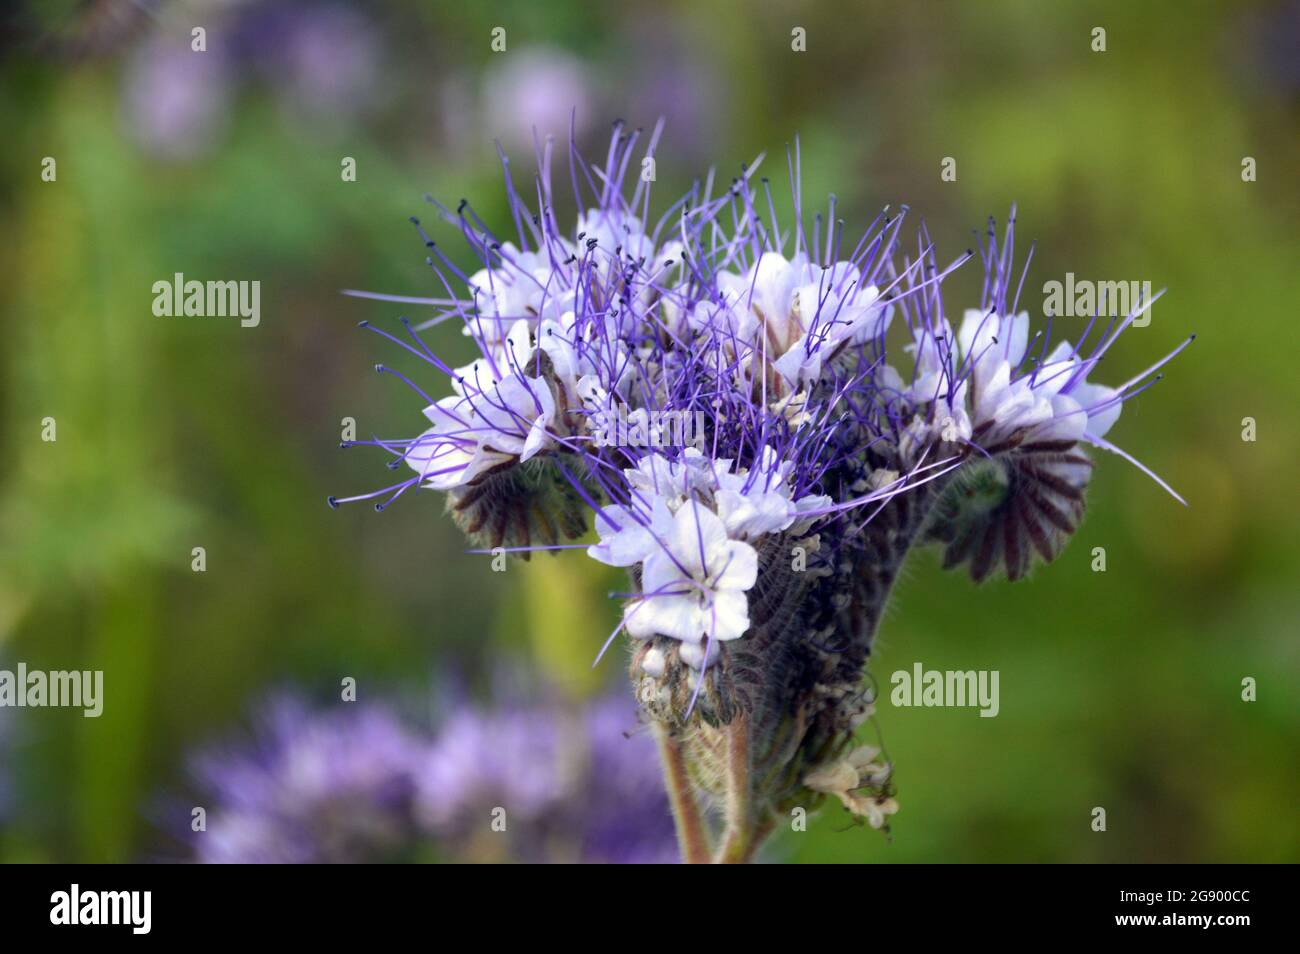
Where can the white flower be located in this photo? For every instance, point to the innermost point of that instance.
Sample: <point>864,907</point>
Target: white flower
<point>758,501</point>
<point>930,378</point>
<point>691,530</point>
<point>447,455</point>
<point>694,585</point>
<point>1006,405</point>
<point>611,230</point>
<point>474,432</point>
<point>654,662</point>
<point>995,399</point>
<point>831,311</point>
<point>700,656</point>
<point>676,480</point>
<point>1094,403</point>
<point>764,297</point>
<point>618,238</point>
<point>797,314</point>
<point>524,286</point>
<point>1098,401</point>
<point>749,515</point>
<point>857,770</point>
<point>987,340</point>
<point>626,538</point>
<point>1052,403</point>
<point>994,347</point>
<point>876,810</point>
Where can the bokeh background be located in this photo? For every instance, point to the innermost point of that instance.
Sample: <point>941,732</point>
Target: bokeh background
<point>1119,689</point>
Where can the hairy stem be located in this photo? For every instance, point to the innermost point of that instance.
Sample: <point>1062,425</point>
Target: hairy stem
<point>691,835</point>
<point>762,829</point>
<point>741,838</point>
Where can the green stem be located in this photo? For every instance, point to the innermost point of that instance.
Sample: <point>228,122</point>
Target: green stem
<point>691,835</point>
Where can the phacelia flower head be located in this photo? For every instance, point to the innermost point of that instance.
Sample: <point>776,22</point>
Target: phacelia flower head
<point>790,411</point>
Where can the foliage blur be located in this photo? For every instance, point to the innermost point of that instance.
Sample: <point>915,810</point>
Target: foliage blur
<point>1120,689</point>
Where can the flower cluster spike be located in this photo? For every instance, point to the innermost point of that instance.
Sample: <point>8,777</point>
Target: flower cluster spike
<point>760,422</point>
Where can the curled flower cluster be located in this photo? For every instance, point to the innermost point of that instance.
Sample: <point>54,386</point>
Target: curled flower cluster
<point>841,421</point>
<point>360,784</point>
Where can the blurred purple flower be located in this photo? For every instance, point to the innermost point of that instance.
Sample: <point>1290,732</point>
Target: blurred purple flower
<point>175,100</point>
<point>355,785</point>
<point>318,786</point>
<point>576,785</point>
<point>1274,50</point>
<point>664,75</point>
<point>321,59</point>
<point>537,88</point>
<point>630,822</point>
<point>332,61</point>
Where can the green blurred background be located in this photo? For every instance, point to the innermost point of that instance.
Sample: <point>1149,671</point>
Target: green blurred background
<point>1119,689</point>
